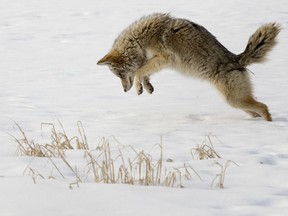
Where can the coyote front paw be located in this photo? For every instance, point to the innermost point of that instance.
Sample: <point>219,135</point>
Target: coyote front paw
<point>139,89</point>
<point>138,86</point>
<point>148,86</point>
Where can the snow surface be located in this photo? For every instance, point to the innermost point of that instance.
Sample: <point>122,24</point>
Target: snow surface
<point>49,51</point>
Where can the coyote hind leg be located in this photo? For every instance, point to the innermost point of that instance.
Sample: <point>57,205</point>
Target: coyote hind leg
<point>256,107</point>
<point>237,89</point>
<point>252,107</point>
<point>252,114</point>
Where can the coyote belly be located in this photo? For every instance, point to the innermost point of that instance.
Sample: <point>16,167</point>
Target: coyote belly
<point>159,41</point>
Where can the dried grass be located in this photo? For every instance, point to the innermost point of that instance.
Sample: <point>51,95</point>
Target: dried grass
<point>122,165</point>
<point>141,169</point>
<point>219,179</point>
<point>205,151</point>
<point>59,142</point>
<point>34,173</point>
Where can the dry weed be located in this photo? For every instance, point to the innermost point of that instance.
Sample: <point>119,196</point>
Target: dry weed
<point>123,165</point>
<point>140,170</point>
<point>221,176</point>
<point>59,142</point>
<point>34,173</point>
<point>205,150</point>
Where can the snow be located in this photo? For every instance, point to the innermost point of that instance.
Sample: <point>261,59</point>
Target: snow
<point>49,51</point>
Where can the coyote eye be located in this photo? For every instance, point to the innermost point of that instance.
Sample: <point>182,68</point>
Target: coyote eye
<point>117,72</point>
<point>120,75</point>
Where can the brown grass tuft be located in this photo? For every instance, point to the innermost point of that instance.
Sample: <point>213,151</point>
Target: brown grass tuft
<point>205,151</point>
<point>117,165</point>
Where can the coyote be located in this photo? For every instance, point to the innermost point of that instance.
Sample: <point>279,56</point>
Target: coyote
<point>160,41</point>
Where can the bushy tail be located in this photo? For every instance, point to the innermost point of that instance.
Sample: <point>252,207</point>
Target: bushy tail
<point>262,41</point>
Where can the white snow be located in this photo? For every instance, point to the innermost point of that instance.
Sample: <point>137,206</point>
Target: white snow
<point>48,73</point>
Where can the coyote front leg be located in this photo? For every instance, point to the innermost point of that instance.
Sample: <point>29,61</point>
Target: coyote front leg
<point>142,75</point>
<point>146,83</point>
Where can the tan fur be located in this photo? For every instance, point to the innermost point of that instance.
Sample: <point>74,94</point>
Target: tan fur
<point>160,41</point>
<point>112,56</point>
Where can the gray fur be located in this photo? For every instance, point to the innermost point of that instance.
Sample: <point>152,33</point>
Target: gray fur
<point>160,41</point>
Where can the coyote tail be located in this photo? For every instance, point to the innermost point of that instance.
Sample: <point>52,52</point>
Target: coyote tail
<point>262,41</point>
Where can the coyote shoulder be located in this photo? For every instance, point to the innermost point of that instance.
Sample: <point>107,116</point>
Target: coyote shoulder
<point>160,41</point>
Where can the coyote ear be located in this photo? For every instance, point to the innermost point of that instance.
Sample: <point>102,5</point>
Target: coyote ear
<point>111,57</point>
<point>104,61</point>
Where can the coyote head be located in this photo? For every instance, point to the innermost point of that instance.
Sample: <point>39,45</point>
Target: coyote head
<point>121,67</point>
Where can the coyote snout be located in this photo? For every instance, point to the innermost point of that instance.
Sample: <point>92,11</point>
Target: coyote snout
<point>160,41</point>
